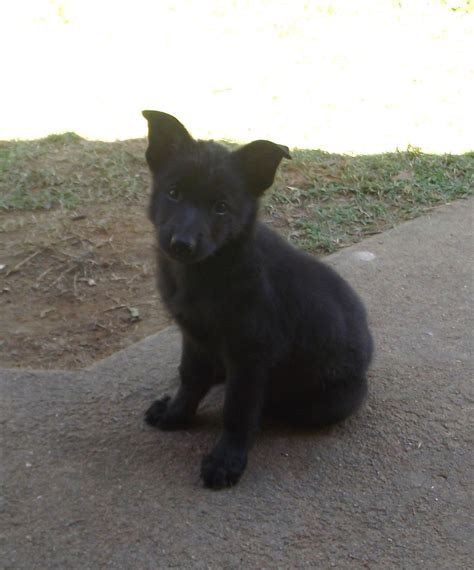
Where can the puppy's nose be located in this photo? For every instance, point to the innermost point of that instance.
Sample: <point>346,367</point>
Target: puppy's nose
<point>182,247</point>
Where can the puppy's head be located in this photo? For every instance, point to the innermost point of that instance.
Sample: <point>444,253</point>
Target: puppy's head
<point>204,195</point>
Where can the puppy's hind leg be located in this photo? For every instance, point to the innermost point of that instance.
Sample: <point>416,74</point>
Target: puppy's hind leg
<point>198,374</point>
<point>323,406</point>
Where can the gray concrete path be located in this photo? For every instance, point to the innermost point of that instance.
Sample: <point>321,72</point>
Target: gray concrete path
<point>85,485</point>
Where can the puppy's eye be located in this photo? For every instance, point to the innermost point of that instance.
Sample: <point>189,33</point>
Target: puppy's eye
<point>221,208</point>
<point>173,194</point>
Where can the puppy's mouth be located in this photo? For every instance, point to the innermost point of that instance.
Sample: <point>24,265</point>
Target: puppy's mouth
<point>182,258</point>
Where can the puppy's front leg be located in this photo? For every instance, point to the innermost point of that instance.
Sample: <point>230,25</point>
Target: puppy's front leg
<point>197,374</point>
<point>242,410</point>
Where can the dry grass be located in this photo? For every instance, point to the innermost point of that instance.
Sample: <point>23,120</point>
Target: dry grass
<point>322,201</point>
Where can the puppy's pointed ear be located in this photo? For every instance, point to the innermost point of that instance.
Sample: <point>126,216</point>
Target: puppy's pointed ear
<point>258,162</point>
<point>165,136</point>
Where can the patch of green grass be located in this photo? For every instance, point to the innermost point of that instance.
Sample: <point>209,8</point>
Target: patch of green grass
<point>322,201</point>
<point>330,201</point>
<point>68,171</point>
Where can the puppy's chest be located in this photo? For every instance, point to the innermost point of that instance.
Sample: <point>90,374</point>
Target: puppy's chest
<point>199,307</point>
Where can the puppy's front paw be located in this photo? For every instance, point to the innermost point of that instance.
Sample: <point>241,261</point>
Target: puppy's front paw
<point>157,411</point>
<point>222,468</point>
<point>160,415</point>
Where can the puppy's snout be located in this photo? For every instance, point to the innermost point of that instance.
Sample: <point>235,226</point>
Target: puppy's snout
<point>182,246</point>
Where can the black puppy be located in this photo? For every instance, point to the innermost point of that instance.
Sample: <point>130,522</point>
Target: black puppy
<point>286,333</point>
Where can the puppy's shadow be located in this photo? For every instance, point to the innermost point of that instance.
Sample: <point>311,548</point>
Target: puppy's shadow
<point>209,418</point>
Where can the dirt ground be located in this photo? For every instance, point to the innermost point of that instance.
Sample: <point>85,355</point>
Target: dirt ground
<point>75,286</point>
<point>78,285</point>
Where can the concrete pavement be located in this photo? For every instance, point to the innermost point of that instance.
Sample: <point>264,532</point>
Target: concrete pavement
<point>85,485</point>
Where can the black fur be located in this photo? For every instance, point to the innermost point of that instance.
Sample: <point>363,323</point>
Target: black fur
<point>286,333</point>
